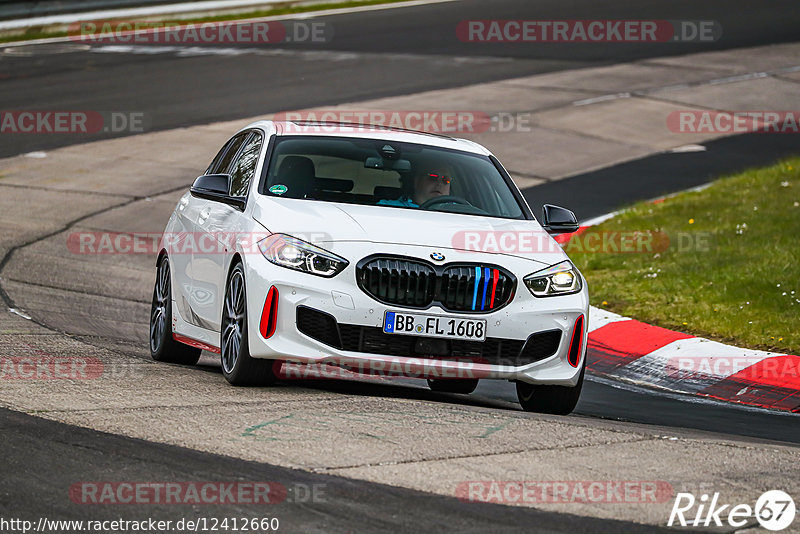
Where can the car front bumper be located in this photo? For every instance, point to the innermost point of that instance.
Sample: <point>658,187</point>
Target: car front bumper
<point>341,298</point>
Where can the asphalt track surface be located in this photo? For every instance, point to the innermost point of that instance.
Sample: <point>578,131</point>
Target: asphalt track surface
<point>345,506</point>
<point>397,51</point>
<point>372,54</point>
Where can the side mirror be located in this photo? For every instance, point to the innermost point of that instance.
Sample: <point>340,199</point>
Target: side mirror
<point>212,183</point>
<point>216,187</point>
<point>558,220</point>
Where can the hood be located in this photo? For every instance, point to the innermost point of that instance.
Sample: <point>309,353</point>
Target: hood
<point>327,222</point>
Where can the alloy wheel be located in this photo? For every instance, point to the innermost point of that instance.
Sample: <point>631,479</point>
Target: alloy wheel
<point>233,321</point>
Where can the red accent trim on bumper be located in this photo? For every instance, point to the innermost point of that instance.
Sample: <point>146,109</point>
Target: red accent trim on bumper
<point>269,315</point>
<point>194,343</point>
<point>577,329</point>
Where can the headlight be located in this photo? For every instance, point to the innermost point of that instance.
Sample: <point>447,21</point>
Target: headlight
<point>560,279</point>
<point>292,253</point>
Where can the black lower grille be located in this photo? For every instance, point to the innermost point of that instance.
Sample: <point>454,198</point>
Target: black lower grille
<point>318,325</point>
<point>409,282</point>
<point>373,340</point>
<point>541,345</point>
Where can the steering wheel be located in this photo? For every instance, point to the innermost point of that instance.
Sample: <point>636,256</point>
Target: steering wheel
<point>444,199</point>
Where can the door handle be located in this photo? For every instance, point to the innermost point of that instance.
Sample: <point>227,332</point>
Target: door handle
<point>204,214</point>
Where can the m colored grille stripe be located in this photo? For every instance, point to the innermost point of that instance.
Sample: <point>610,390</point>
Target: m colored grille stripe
<point>495,277</point>
<point>477,282</point>
<point>485,287</point>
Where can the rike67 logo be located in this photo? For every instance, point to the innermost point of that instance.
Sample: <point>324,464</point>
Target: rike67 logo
<point>774,510</point>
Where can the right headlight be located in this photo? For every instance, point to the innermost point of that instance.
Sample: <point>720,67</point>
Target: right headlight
<point>559,279</point>
<point>293,253</point>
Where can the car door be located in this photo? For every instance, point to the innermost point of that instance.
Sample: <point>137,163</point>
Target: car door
<point>177,242</point>
<point>225,223</point>
<point>182,239</point>
<point>198,292</point>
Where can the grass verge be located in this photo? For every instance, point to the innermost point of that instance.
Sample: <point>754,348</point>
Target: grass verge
<point>40,32</point>
<point>724,263</point>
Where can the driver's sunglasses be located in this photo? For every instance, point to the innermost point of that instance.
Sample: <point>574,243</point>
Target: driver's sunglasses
<point>440,177</point>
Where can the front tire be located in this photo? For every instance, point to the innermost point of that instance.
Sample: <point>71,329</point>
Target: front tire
<point>463,385</point>
<point>556,400</point>
<point>163,347</point>
<point>238,367</point>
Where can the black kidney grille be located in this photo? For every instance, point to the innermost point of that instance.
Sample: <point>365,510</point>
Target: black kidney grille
<point>455,285</point>
<point>474,288</point>
<point>463,287</point>
<point>397,281</point>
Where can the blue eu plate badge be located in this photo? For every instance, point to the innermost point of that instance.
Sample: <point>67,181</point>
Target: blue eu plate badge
<point>388,322</point>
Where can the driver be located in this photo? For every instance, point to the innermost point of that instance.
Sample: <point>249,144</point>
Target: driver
<point>429,182</point>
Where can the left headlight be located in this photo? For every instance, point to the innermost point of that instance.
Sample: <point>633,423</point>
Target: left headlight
<point>559,279</point>
<point>293,253</point>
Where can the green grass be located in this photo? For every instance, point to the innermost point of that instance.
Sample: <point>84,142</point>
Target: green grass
<point>39,32</point>
<point>741,286</point>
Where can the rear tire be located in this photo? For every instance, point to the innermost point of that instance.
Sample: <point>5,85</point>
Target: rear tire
<point>163,347</point>
<point>461,385</point>
<point>238,367</point>
<point>557,400</point>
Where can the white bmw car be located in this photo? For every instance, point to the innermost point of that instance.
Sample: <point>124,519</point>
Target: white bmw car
<point>371,249</point>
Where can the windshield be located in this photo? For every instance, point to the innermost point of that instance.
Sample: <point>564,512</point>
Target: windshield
<point>391,174</point>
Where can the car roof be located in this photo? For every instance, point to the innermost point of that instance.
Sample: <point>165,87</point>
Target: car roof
<point>367,131</point>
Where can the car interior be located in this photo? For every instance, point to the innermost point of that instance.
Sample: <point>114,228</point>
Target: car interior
<point>368,171</point>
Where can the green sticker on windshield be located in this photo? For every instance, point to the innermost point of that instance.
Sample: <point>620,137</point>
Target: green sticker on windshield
<point>278,189</point>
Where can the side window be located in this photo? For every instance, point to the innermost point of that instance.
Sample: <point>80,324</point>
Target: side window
<point>223,158</point>
<point>244,168</point>
<point>215,162</point>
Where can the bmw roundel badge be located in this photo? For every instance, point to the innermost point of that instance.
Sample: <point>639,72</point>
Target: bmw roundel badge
<point>436,256</point>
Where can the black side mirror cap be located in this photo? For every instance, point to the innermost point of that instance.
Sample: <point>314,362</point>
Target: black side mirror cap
<point>557,220</point>
<point>216,187</point>
<point>212,183</point>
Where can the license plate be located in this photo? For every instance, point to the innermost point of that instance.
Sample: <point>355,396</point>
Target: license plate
<point>414,324</point>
